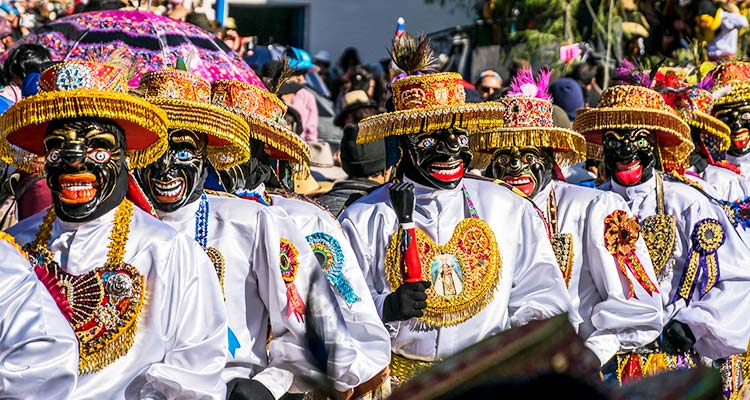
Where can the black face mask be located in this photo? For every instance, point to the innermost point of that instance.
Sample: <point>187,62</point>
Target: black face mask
<point>629,156</point>
<point>250,174</point>
<point>529,169</point>
<point>737,117</point>
<point>85,167</point>
<point>177,177</point>
<point>436,159</point>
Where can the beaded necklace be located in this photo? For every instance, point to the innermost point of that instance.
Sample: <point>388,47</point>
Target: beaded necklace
<point>201,236</point>
<point>101,305</point>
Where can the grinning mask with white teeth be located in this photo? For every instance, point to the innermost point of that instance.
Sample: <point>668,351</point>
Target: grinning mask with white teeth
<point>529,169</point>
<point>629,156</point>
<point>177,177</point>
<point>85,167</point>
<point>436,159</point>
<point>737,117</point>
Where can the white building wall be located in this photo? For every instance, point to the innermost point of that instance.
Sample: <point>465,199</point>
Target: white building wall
<point>368,25</point>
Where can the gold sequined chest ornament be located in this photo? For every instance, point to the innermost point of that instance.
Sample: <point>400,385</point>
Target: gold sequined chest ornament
<point>101,305</point>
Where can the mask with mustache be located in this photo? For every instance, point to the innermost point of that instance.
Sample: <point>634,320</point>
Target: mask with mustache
<point>737,117</point>
<point>85,167</point>
<point>529,169</point>
<point>436,159</point>
<point>629,156</point>
<point>177,177</point>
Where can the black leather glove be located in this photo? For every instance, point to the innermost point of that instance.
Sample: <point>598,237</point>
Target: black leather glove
<point>408,301</point>
<point>402,200</point>
<point>247,389</point>
<point>676,338</point>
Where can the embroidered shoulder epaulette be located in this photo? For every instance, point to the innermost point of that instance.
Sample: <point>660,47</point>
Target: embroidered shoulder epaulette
<point>220,194</point>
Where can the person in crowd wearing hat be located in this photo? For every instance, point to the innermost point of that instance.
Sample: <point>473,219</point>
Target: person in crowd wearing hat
<point>130,286</point>
<point>568,95</point>
<point>609,275</point>
<point>304,101</point>
<point>322,165</point>
<point>449,260</point>
<point>356,106</point>
<point>364,164</point>
<point>698,256</point>
<point>37,343</point>
<point>489,84</point>
<point>731,94</point>
<point>355,339</point>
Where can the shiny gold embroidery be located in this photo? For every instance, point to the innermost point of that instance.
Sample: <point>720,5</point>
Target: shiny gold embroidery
<point>464,272</point>
<point>403,369</point>
<point>217,259</point>
<point>562,244</point>
<point>659,232</point>
<point>101,305</point>
<point>621,232</point>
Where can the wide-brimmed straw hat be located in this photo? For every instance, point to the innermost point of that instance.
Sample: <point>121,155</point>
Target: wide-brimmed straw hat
<point>74,90</point>
<point>264,113</point>
<point>186,98</point>
<point>636,107</point>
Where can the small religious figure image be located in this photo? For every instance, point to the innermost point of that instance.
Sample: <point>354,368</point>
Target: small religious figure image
<point>446,275</point>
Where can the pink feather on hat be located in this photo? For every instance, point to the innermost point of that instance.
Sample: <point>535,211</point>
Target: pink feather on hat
<point>524,84</point>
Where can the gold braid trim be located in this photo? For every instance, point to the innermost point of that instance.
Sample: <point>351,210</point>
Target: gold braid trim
<point>232,132</point>
<point>403,368</point>
<point>713,126</point>
<point>473,117</point>
<point>31,115</point>
<point>569,146</point>
<point>120,232</point>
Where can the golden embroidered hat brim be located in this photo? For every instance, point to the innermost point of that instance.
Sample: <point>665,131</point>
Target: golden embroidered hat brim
<point>74,90</point>
<point>731,83</point>
<point>264,113</point>
<point>528,123</point>
<point>426,103</point>
<point>636,107</point>
<point>186,98</point>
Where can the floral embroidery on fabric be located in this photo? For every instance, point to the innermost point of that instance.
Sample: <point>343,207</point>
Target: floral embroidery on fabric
<point>702,265</point>
<point>738,211</point>
<point>289,265</point>
<point>464,272</point>
<point>621,232</point>
<point>328,252</point>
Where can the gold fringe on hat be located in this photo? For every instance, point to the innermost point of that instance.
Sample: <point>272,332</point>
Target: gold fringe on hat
<point>672,133</point>
<point>569,147</point>
<point>473,117</point>
<point>232,132</point>
<point>24,124</point>
<point>740,92</point>
<point>711,125</point>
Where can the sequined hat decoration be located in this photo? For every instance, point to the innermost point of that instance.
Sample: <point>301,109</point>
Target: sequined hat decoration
<point>186,98</point>
<point>424,101</point>
<point>527,122</point>
<point>731,83</point>
<point>74,90</point>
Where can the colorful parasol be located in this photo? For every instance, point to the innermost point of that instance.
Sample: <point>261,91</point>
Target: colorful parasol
<point>153,42</point>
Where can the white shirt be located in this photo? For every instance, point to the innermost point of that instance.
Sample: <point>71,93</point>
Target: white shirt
<point>180,344</point>
<point>38,349</point>
<point>530,285</point>
<point>367,349</point>
<point>598,291</point>
<point>727,184</point>
<point>719,319</point>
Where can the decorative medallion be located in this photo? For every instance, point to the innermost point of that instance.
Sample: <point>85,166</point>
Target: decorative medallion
<point>328,252</point>
<point>289,266</point>
<point>621,232</point>
<point>562,244</point>
<point>73,76</point>
<point>660,233</point>
<point>101,305</point>
<point>702,265</point>
<point>464,272</point>
<point>738,211</point>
